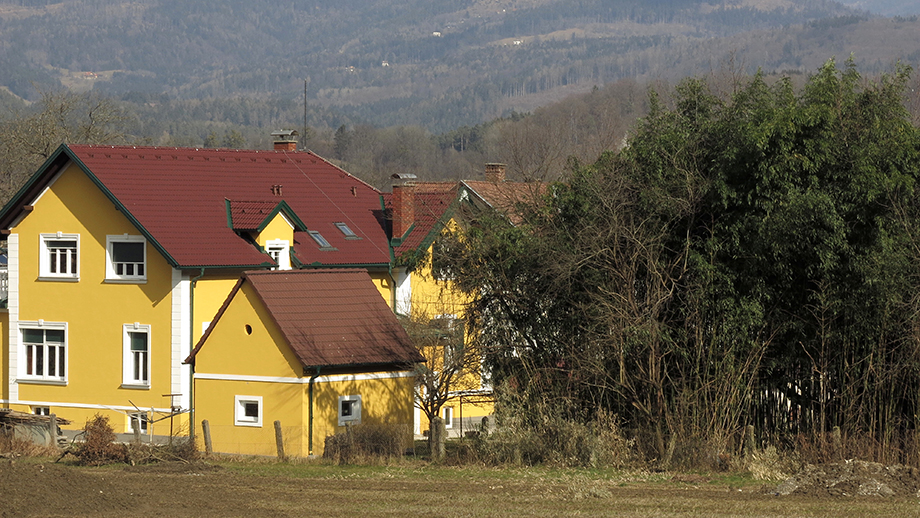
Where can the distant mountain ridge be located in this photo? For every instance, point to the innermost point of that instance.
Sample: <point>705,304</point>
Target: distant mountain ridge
<point>435,63</point>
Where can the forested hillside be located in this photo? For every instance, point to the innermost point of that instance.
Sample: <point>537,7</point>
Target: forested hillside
<point>438,64</point>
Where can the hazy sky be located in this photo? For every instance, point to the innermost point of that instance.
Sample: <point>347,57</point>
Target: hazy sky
<point>886,7</point>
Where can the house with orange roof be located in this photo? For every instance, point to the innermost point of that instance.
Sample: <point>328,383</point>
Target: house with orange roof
<point>119,258</point>
<point>315,349</point>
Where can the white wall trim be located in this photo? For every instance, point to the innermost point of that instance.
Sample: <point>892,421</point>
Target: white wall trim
<point>306,380</point>
<point>403,292</point>
<point>58,404</point>
<point>12,243</point>
<point>180,340</point>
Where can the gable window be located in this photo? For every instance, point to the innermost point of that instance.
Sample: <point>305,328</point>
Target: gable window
<point>280,252</point>
<point>58,256</point>
<point>349,410</point>
<point>44,346</point>
<point>248,411</point>
<point>441,269</point>
<point>349,233</point>
<point>126,258</point>
<point>136,368</point>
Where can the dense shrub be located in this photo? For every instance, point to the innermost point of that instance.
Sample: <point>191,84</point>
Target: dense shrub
<point>98,446</point>
<point>367,443</point>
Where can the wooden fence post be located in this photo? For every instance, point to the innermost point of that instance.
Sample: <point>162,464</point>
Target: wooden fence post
<point>437,438</point>
<point>279,440</point>
<point>52,428</point>
<point>206,431</point>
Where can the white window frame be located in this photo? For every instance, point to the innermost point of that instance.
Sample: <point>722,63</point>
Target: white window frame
<point>41,410</point>
<point>280,251</point>
<point>111,274</point>
<point>31,361</point>
<point>448,417</point>
<point>44,258</point>
<point>239,411</point>
<point>353,404</point>
<point>143,418</point>
<point>129,380</point>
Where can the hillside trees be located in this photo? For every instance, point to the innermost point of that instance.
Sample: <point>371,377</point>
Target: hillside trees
<point>28,139</point>
<point>749,259</point>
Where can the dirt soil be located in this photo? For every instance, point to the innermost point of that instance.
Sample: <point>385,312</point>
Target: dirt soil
<point>853,478</point>
<point>32,488</point>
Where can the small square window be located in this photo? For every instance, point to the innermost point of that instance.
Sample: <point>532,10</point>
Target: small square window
<point>59,257</point>
<point>138,421</point>
<point>126,258</point>
<point>41,410</point>
<point>248,410</point>
<point>349,410</point>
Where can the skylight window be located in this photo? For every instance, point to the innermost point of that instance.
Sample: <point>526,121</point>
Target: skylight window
<point>320,240</point>
<point>349,233</point>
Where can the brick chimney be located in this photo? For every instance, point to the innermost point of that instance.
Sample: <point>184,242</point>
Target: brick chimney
<point>403,203</point>
<point>285,140</point>
<point>495,173</point>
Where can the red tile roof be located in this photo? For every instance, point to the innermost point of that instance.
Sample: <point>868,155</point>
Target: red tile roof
<point>250,215</point>
<point>328,317</point>
<point>430,209</point>
<point>178,196</point>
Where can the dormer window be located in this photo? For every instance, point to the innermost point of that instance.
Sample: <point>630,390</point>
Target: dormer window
<point>349,233</point>
<point>320,240</point>
<point>280,252</point>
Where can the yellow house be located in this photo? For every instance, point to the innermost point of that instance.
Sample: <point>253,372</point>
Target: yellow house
<point>120,256</point>
<point>316,350</point>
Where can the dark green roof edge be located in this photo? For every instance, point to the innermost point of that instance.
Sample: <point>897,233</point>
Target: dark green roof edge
<point>121,207</point>
<point>36,176</point>
<point>289,212</point>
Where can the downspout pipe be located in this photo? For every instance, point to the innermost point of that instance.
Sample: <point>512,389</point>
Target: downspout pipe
<point>191,338</point>
<point>310,433</point>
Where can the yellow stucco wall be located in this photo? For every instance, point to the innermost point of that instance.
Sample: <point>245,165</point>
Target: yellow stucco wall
<point>94,310</point>
<point>278,228</point>
<point>432,298</point>
<point>384,284</point>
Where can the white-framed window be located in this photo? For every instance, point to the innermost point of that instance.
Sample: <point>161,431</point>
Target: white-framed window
<point>248,411</point>
<point>136,364</point>
<point>44,347</point>
<point>125,258</point>
<point>280,252</point>
<point>452,337</point>
<point>139,420</point>
<point>41,410</point>
<point>349,410</point>
<point>59,257</point>
<point>448,417</point>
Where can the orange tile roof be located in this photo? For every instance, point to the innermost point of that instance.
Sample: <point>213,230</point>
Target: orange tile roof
<point>328,317</point>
